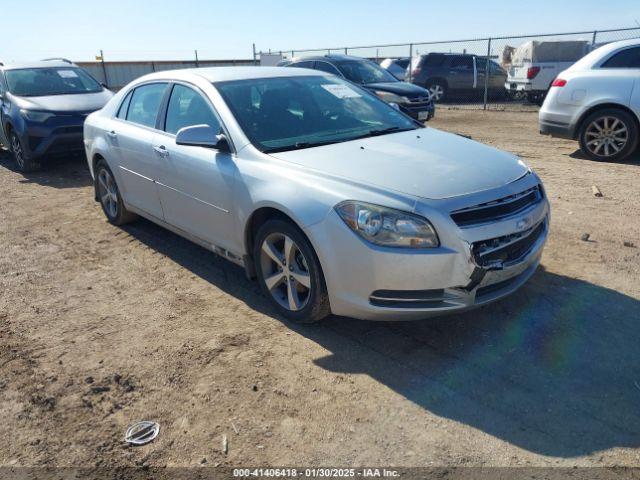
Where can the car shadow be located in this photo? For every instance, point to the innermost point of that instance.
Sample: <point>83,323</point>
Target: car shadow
<point>634,159</point>
<point>69,171</point>
<point>553,369</point>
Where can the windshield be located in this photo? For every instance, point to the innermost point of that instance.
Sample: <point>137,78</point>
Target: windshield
<point>288,113</point>
<point>364,72</point>
<point>36,82</point>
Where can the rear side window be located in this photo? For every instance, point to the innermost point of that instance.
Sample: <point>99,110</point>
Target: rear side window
<point>434,60</point>
<point>188,108</point>
<point>145,103</point>
<point>629,58</point>
<point>462,63</point>
<point>124,106</point>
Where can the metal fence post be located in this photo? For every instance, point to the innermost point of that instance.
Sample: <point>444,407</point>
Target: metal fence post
<point>254,54</point>
<point>197,63</point>
<point>410,62</point>
<point>104,69</point>
<point>293,54</point>
<point>346,51</point>
<point>486,74</point>
<point>593,41</point>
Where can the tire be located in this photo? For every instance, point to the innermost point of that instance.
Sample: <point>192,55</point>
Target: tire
<point>438,90</point>
<point>23,164</point>
<point>276,240</point>
<point>609,134</point>
<point>108,195</point>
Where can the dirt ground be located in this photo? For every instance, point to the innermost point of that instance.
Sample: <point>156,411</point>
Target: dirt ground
<point>102,326</point>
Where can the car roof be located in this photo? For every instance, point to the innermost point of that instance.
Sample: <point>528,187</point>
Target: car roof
<point>223,74</point>
<point>40,64</point>
<point>330,58</point>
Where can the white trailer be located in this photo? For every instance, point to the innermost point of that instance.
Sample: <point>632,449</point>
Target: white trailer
<point>534,66</point>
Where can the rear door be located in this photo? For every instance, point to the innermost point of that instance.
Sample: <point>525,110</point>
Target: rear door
<point>461,73</point>
<point>132,139</point>
<point>195,183</point>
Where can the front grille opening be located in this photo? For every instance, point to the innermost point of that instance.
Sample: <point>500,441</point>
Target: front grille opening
<point>498,209</point>
<point>408,298</point>
<point>507,249</point>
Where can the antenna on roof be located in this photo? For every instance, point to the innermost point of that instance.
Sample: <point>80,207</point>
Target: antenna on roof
<point>59,59</point>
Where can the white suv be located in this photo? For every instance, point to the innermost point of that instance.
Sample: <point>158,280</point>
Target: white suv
<point>597,102</point>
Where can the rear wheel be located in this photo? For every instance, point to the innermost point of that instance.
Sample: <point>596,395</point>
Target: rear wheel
<point>23,163</point>
<point>289,272</point>
<point>438,90</point>
<point>109,196</point>
<point>608,134</point>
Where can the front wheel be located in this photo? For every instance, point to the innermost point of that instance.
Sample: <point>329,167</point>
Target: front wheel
<point>23,163</point>
<point>608,134</point>
<point>109,196</point>
<point>289,272</point>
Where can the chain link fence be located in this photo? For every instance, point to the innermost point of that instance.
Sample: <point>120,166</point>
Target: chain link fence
<point>498,73</point>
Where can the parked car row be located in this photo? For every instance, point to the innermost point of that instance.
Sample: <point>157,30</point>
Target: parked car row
<point>316,181</point>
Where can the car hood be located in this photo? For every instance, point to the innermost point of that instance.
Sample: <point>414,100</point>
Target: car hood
<point>81,102</point>
<point>399,88</point>
<point>423,163</point>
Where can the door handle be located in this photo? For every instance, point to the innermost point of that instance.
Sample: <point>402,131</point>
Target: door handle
<point>112,134</point>
<point>162,151</point>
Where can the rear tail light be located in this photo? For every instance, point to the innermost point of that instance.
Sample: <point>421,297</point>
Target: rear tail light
<point>559,82</point>
<point>416,71</point>
<point>532,72</point>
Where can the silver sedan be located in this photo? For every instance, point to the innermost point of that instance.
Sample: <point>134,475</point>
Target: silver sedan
<point>335,201</point>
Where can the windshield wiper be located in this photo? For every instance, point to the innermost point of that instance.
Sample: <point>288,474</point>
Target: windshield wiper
<point>298,146</point>
<point>382,131</point>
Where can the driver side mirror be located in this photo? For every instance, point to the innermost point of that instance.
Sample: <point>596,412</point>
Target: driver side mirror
<point>203,136</point>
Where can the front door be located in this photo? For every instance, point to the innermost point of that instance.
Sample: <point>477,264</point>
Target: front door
<point>195,183</point>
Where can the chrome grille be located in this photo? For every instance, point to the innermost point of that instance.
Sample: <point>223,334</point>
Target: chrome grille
<point>497,209</point>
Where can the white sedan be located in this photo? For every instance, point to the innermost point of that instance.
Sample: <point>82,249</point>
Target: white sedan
<point>597,102</point>
<point>335,201</point>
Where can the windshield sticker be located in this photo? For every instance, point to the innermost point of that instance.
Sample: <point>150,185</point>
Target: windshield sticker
<point>67,74</point>
<point>341,91</point>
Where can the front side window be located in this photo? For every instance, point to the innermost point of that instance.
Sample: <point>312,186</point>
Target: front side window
<point>188,108</point>
<point>365,72</point>
<point>145,103</point>
<point>629,58</point>
<point>39,82</point>
<point>289,113</point>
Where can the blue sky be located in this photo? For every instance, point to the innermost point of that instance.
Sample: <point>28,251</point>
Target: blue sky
<point>158,29</point>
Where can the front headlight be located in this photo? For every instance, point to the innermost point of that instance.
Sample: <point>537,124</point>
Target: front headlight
<point>36,116</point>
<point>391,97</point>
<point>386,226</point>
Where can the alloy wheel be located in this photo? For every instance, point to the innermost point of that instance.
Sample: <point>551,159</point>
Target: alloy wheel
<point>16,148</point>
<point>606,136</point>
<point>285,272</point>
<point>108,192</point>
<point>437,92</point>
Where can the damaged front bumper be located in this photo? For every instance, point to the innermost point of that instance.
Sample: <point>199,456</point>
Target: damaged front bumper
<point>474,265</point>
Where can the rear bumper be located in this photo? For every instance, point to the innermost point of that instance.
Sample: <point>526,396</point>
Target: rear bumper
<point>560,130</point>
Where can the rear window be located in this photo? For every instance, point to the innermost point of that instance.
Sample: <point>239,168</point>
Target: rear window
<point>38,82</point>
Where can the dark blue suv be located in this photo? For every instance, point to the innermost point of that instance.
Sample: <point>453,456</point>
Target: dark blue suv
<point>43,106</point>
<point>411,99</point>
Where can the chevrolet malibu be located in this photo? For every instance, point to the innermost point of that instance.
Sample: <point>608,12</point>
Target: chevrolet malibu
<point>335,201</point>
